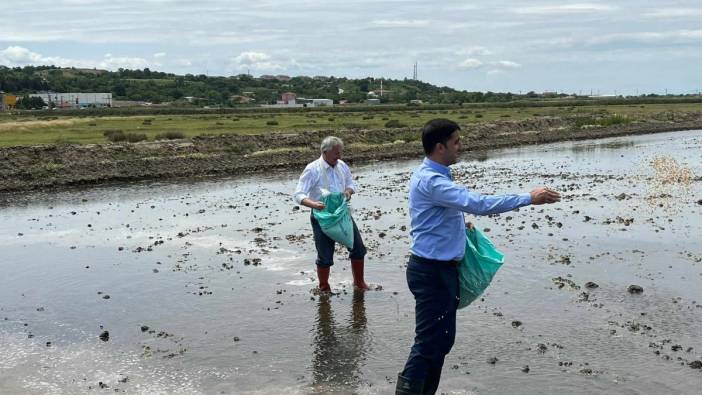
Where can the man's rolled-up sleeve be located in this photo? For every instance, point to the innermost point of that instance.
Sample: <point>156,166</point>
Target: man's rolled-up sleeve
<point>304,185</point>
<point>348,179</point>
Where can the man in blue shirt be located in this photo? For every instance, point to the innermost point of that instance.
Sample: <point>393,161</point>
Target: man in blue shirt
<point>438,235</point>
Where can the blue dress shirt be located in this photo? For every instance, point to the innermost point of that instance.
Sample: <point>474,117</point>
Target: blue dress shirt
<point>437,205</point>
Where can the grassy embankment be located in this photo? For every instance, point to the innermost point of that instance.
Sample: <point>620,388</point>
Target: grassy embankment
<point>27,129</point>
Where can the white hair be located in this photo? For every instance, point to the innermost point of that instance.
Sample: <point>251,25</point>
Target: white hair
<point>330,142</point>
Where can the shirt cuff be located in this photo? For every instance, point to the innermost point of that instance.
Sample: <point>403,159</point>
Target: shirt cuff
<point>299,197</point>
<point>525,198</point>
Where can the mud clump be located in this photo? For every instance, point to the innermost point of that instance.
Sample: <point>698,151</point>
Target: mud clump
<point>635,289</point>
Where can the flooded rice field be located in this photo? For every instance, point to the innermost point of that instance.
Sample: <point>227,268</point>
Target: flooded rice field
<point>205,286</point>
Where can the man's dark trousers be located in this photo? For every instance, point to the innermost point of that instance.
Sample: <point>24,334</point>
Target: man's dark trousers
<point>434,285</point>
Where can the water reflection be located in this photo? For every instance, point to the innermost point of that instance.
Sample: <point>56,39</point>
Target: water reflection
<point>591,148</point>
<point>339,349</point>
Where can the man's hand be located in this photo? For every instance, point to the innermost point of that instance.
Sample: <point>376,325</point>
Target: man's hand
<point>313,204</point>
<point>543,195</point>
<point>317,205</point>
<point>347,193</point>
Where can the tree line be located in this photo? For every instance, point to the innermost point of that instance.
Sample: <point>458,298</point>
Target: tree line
<point>159,87</point>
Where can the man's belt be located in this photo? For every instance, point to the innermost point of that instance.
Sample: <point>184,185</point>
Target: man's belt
<point>428,261</point>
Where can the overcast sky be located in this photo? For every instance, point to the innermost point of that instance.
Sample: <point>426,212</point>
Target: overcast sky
<point>626,46</point>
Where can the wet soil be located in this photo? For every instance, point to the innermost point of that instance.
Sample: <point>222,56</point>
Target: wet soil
<point>209,286</point>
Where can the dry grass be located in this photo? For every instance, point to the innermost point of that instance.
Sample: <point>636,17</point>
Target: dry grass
<point>31,124</point>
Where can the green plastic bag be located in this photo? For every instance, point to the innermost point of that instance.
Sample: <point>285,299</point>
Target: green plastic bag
<point>479,265</point>
<point>335,219</point>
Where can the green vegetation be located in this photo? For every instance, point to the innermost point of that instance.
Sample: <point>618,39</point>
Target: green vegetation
<point>54,127</point>
<point>171,135</point>
<point>195,91</point>
<point>605,121</point>
<point>394,124</point>
<point>118,135</point>
<point>159,87</point>
<point>30,103</point>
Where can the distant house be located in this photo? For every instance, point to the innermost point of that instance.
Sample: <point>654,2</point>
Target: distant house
<point>322,103</point>
<point>417,101</point>
<point>7,101</point>
<point>240,99</point>
<point>372,102</point>
<point>281,77</point>
<point>267,77</point>
<point>288,98</point>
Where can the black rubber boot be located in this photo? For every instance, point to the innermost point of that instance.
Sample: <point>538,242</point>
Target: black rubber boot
<point>408,387</point>
<point>431,384</point>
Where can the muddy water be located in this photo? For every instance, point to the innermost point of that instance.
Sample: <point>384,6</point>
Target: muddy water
<point>204,287</point>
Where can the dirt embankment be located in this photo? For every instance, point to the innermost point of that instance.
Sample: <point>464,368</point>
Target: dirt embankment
<point>24,168</point>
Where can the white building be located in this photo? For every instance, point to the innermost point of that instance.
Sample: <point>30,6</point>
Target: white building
<point>75,99</point>
<point>322,103</point>
<point>301,102</point>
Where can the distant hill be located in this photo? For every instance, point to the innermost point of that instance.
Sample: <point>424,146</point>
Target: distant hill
<point>159,87</point>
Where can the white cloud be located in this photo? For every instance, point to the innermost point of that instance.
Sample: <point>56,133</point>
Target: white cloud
<point>498,65</point>
<point>475,51</point>
<point>675,13</point>
<point>184,62</point>
<point>159,55</point>
<point>648,39</point>
<point>20,56</point>
<point>665,37</point>
<point>577,8</point>
<point>113,63</point>
<point>400,23</point>
<point>258,61</point>
<point>247,58</point>
<point>507,64</point>
<point>470,63</point>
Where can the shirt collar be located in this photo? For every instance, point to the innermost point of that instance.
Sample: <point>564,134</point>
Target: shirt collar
<point>437,166</point>
<point>325,165</point>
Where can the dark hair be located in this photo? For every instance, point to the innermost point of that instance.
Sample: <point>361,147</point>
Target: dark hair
<point>437,131</point>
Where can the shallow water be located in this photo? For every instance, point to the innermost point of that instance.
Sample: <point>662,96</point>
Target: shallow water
<point>220,270</point>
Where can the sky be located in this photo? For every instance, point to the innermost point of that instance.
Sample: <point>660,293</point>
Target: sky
<point>608,47</point>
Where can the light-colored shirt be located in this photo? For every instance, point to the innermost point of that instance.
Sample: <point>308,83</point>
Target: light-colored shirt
<point>437,204</point>
<point>319,175</point>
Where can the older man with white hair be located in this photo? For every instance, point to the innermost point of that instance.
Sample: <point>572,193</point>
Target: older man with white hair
<point>330,173</point>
